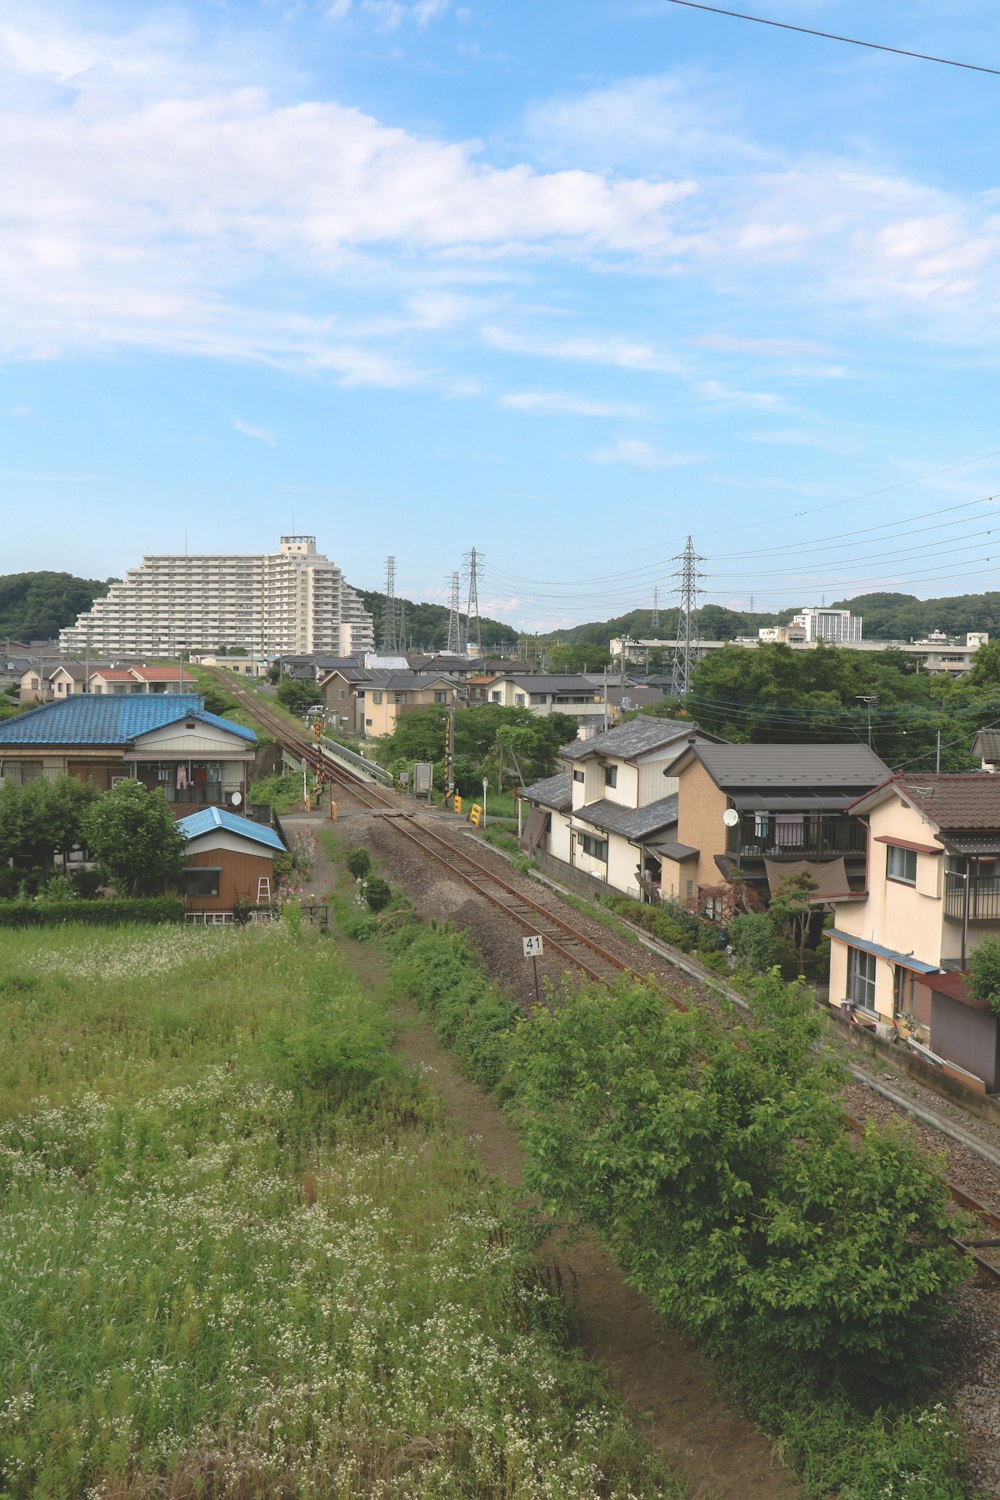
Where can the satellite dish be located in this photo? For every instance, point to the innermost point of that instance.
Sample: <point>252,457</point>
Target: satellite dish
<point>730,817</point>
<point>236,798</point>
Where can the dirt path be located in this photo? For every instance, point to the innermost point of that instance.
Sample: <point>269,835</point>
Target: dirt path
<point>671,1387</point>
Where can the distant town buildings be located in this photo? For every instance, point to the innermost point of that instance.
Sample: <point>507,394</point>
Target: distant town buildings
<point>292,600</point>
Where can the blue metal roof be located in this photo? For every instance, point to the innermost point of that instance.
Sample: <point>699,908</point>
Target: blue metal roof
<point>109,719</point>
<point>906,960</point>
<point>195,825</point>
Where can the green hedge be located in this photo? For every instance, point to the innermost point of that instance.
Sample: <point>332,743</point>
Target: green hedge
<point>155,909</point>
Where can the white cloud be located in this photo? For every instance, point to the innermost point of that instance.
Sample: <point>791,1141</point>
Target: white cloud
<point>260,434</point>
<point>718,394</point>
<point>548,402</point>
<point>640,455</point>
<point>622,353</point>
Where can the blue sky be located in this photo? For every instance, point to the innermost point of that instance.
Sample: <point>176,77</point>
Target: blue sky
<point>564,281</point>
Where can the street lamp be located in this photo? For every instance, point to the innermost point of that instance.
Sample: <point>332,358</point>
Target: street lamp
<point>486,782</point>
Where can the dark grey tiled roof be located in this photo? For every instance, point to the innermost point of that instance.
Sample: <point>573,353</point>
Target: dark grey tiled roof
<point>788,767</point>
<point>987,744</point>
<point>553,791</point>
<point>673,850</point>
<point>630,822</point>
<point>631,740</point>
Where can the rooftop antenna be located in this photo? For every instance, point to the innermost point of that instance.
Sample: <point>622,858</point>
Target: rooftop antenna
<point>685,648</point>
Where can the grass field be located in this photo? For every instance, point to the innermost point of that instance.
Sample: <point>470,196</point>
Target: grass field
<point>241,1256</point>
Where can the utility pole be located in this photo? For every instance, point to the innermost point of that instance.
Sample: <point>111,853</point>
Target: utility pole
<point>868,699</point>
<point>687,617</point>
<point>937,758</point>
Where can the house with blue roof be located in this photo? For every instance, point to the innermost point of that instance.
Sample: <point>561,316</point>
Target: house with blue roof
<point>165,741</point>
<point>230,863</point>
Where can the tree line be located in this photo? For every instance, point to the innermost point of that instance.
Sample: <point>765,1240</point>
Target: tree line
<point>36,606</point>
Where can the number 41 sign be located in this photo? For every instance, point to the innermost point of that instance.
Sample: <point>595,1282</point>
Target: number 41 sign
<point>533,947</point>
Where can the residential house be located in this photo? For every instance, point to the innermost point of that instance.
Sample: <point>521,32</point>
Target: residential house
<point>545,693</point>
<point>143,679</point>
<point>163,740</point>
<point>230,860</point>
<point>757,813</point>
<point>986,748</point>
<point>610,814</point>
<point>368,701</point>
<point>900,947</point>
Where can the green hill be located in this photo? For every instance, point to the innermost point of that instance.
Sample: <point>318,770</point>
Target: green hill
<point>36,606</point>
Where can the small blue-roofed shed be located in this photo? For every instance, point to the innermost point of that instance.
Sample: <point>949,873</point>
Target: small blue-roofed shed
<point>230,862</point>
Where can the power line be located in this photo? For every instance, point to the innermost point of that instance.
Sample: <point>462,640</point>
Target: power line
<point>833,36</point>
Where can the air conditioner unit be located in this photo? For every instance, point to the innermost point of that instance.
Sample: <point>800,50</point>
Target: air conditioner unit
<point>886,1032</point>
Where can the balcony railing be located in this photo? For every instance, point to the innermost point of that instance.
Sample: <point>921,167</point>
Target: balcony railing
<point>984,897</point>
<point>796,835</point>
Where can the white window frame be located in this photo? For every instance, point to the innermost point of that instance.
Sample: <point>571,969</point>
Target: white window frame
<point>861,978</point>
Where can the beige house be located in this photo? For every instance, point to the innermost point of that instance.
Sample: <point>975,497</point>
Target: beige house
<point>368,701</point>
<point>757,813</point>
<point>899,947</point>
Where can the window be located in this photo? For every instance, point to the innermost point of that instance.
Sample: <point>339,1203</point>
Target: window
<point>903,992</point>
<point>578,776</point>
<point>495,697</point>
<point>376,698</point>
<point>596,848</point>
<point>901,864</point>
<point>538,698</point>
<point>610,775</point>
<point>200,881</point>
<point>341,693</point>
<point>440,697</point>
<point>861,978</point>
<point>400,697</point>
<point>519,699</point>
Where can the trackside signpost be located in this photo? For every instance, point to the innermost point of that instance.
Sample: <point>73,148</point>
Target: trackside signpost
<point>533,949</point>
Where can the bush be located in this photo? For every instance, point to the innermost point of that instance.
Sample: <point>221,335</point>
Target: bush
<point>280,793</point>
<point>378,893</point>
<point>754,942</point>
<point>984,978</point>
<point>358,862</point>
<point>153,909</point>
<point>87,883</point>
<point>719,1168</point>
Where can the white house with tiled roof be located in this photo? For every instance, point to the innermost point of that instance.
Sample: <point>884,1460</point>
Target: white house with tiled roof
<point>611,813</point>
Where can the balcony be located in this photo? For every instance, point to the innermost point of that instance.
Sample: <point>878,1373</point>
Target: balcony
<point>984,897</point>
<point>796,835</point>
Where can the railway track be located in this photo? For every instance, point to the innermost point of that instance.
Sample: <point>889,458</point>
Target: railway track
<point>561,936</point>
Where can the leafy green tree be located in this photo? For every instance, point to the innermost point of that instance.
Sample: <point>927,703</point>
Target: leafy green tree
<point>479,734</point>
<point>578,658</point>
<point>43,818</point>
<point>134,837</point>
<point>718,1167</point>
<point>297,696</point>
<point>984,973</point>
<point>36,606</point>
<point>793,912</point>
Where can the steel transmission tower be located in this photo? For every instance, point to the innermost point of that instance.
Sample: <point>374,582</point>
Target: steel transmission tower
<point>687,616</point>
<point>390,627</point>
<point>654,619</point>
<point>473,571</point>
<point>456,644</point>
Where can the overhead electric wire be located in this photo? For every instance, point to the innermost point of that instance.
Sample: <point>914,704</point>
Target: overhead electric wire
<point>657,569</point>
<point>833,36</point>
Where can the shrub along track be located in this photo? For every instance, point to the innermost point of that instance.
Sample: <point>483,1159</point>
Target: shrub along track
<point>391,823</point>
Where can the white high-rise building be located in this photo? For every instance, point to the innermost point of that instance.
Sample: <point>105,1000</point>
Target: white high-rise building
<point>280,603</point>
<point>838,626</point>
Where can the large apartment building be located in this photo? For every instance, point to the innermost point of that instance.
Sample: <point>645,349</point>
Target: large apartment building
<point>292,600</point>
